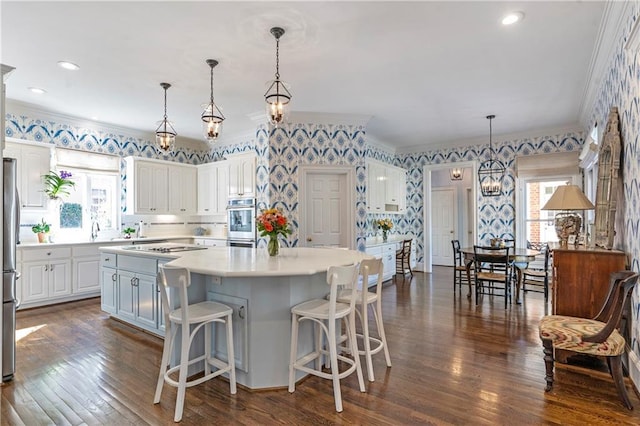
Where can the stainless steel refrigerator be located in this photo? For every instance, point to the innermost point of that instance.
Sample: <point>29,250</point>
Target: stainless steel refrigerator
<point>11,223</point>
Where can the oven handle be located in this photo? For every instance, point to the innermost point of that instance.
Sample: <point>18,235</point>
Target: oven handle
<point>241,208</point>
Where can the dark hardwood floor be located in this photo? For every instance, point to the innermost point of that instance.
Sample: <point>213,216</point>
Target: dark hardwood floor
<point>453,363</point>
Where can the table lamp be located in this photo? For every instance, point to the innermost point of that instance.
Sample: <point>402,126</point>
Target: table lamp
<point>568,198</point>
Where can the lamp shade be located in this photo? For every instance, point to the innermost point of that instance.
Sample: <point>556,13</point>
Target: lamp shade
<point>568,197</point>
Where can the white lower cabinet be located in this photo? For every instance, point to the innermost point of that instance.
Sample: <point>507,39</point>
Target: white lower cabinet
<point>109,280</point>
<point>45,280</point>
<point>46,275</point>
<point>130,292</point>
<point>386,252</point>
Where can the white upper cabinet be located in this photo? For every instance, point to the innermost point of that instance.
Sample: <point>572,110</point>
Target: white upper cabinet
<point>242,175</point>
<point>33,163</point>
<point>160,187</point>
<point>387,188</point>
<point>213,187</point>
<point>182,189</point>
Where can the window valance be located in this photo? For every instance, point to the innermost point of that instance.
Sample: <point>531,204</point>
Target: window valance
<point>547,164</point>
<point>87,160</point>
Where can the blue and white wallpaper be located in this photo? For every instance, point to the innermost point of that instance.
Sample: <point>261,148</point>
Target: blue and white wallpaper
<point>620,88</point>
<point>282,150</point>
<point>496,215</point>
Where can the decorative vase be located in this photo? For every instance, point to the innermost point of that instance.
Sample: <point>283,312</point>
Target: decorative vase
<point>384,235</point>
<point>273,245</point>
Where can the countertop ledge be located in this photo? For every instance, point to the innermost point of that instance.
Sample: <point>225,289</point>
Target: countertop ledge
<point>115,241</point>
<point>394,238</point>
<point>246,262</point>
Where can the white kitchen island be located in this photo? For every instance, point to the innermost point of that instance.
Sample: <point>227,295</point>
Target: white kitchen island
<point>262,290</point>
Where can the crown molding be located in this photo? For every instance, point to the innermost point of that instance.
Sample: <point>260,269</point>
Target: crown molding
<point>34,111</point>
<point>611,27</point>
<point>497,139</point>
<point>377,143</point>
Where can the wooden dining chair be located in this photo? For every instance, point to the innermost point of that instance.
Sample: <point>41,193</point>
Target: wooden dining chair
<point>403,259</point>
<point>598,336</point>
<point>537,277</point>
<point>492,272</point>
<point>459,268</point>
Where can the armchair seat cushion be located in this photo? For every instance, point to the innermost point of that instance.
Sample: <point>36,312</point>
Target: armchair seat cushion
<point>567,332</point>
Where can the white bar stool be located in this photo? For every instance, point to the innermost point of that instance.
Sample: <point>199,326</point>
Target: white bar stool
<point>325,313</point>
<point>365,298</point>
<point>199,315</point>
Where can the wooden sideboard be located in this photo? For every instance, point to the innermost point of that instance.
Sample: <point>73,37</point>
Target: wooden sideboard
<point>581,278</point>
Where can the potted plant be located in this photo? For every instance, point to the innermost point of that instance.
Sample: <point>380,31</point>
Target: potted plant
<point>128,231</point>
<point>41,229</point>
<point>58,185</point>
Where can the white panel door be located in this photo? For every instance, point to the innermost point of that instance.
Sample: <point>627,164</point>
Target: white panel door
<point>326,210</point>
<point>443,225</point>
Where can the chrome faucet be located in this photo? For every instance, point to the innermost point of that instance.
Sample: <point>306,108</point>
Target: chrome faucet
<point>94,230</point>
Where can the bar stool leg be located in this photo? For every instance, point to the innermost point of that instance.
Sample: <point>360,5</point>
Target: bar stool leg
<point>377,313</point>
<point>333,354</point>
<point>231,356</point>
<point>367,343</point>
<point>293,353</point>
<point>182,379</point>
<point>351,331</point>
<point>169,336</point>
<point>207,349</point>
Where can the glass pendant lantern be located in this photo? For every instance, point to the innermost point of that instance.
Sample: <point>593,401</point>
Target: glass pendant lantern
<point>277,95</point>
<point>165,133</point>
<point>491,173</point>
<point>212,117</point>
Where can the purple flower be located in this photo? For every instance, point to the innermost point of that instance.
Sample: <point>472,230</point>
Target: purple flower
<point>64,174</point>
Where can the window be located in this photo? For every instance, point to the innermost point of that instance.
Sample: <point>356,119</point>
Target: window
<point>95,199</point>
<point>539,224</point>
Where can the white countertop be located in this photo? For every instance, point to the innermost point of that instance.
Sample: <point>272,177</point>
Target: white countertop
<point>392,239</point>
<point>102,242</point>
<point>247,262</point>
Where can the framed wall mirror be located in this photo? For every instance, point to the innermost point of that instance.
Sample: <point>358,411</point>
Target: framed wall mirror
<point>607,189</point>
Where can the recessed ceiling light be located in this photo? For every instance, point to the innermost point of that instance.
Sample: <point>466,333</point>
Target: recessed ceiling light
<point>512,18</point>
<point>37,90</point>
<point>68,65</point>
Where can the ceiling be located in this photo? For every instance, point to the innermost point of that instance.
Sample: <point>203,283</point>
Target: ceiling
<point>423,74</point>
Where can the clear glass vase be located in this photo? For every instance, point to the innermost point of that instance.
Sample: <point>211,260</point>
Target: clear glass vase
<point>273,245</point>
<point>384,235</point>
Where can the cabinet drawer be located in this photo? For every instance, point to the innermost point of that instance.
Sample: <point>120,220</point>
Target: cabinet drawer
<point>86,250</point>
<point>389,249</point>
<point>142,265</point>
<point>109,260</point>
<point>46,253</point>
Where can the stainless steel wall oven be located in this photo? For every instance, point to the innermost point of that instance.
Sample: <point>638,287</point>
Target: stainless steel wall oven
<point>241,222</point>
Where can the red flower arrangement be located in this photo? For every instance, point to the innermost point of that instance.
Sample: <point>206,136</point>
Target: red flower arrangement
<point>270,223</point>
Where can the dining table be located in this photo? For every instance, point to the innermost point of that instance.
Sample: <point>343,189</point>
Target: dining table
<point>520,257</point>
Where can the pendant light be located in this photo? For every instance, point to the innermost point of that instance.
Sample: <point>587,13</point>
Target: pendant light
<point>277,96</point>
<point>212,117</point>
<point>491,173</point>
<point>165,134</point>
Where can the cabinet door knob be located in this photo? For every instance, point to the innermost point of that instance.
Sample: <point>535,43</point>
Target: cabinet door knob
<point>52,267</point>
<point>309,239</point>
<point>106,259</point>
<point>113,277</point>
<point>46,268</point>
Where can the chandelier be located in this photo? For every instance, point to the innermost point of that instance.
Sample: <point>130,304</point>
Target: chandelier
<point>212,117</point>
<point>165,134</point>
<point>277,95</point>
<point>491,173</point>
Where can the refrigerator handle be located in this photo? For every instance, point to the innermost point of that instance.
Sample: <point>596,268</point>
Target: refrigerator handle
<point>17,217</point>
